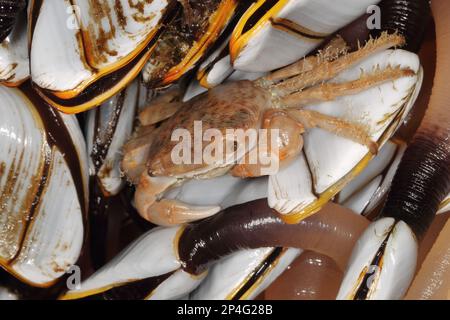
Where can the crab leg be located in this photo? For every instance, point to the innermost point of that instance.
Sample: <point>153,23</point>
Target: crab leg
<point>136,152</point>
<point>331,91</point>
<point>313,119</point>
<point>327,70</point>
<point>336,48</point>
<point>161,108</point>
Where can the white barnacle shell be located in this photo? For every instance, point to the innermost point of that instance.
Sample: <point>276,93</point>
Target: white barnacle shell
<point>43,188</point>
<point>14,61</point>
<point>75,44</point>
<point>288,30</point>
<point>108,128</point>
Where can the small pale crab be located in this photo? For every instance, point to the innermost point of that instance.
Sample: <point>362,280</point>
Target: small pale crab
<point>275,101</point>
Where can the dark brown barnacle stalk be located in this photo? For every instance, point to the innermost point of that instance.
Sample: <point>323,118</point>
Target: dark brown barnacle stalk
<point>9,11</point>
<point>407,17</point>
<point>423,178</point>
<point>332,232</point>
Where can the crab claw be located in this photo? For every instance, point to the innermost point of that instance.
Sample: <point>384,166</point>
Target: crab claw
<point>382,264</point>
<point>166,212</point>
<point>172,212</point>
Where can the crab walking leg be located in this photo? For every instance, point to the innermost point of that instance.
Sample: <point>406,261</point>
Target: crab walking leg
<point>162,108</point>
<point>155,114</point>
<point>327,70</point>
<point>332,232</point>
<point>422,182</point>
<point>433,280</point>
<point>331,91</point>
<point>166,212</point>
<point>135,153</point>
<point>313,119</point>
<point>333,50</point>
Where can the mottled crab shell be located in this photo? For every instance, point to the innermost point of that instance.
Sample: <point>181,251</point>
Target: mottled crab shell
<point>304,186</point>
<point>43,188</point>
<point>180,49</point>
<point>275,33</point>
<point>84,52</point>
<point>325,171</point>
<point>108,128</point>
<point>14,60</point>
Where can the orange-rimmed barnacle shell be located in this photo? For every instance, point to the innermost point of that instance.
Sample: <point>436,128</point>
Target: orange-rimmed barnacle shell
<point>85,52</point>
<point>185,43</point>
<point>275,33</point>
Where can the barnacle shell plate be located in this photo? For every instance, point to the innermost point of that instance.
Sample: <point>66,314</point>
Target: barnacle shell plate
<point>71,51</point>
<point>43,196</point>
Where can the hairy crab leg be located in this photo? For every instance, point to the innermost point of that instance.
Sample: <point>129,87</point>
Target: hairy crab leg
<point>327,92</point>
<point>313,119</point>
<point>421,183</point>
<point>331,91</point>
<point>336,48</point>
<point>329,69</point>
<point>254,225</point>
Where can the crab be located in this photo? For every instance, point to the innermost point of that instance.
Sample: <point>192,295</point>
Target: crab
<point>277,101</point>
